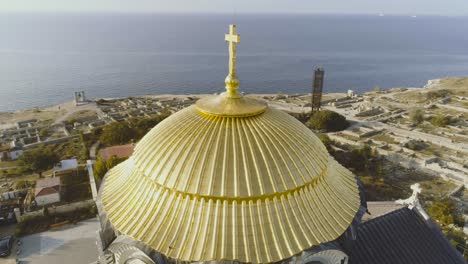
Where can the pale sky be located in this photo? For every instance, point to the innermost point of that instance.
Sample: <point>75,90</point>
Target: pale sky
<point>406,7</point>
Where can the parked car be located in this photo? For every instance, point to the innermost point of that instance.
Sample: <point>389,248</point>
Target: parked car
<point>6,243</point>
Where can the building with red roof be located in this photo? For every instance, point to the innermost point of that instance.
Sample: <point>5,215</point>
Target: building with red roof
<point>122,151</point>
<point>47,191</point>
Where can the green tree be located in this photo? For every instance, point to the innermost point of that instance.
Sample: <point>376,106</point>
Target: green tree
<point>416,116</point>
<point>101,167</point>
<point>38,160</point>
<point>143,125</point>
<point>117,134</point>
<point>113,161</point>
<point>328,120</point>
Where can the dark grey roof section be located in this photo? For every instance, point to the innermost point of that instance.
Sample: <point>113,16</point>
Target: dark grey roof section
<point>402,237</point>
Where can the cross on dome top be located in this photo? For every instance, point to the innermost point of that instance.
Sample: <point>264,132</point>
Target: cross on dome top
<point>232,83</point>
<point>231,103</point>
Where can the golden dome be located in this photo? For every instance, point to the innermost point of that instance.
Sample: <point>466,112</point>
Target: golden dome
<point>245,183</point>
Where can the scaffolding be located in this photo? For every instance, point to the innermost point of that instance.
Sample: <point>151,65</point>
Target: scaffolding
<point>317,88</point>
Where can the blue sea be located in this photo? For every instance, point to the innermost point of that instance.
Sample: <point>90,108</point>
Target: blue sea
<point>44,58</point>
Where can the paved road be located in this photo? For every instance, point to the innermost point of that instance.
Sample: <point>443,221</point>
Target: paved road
<point>74,244</point>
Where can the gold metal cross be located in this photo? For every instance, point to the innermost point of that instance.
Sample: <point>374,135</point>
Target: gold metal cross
<point>231,81</point>
<point>233,39</point>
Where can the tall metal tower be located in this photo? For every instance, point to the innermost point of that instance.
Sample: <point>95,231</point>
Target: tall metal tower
<point>317,88</point>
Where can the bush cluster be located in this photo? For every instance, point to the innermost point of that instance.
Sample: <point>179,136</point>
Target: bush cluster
<point>123,132</point>
<point>328,121</point>
<point>40,223</point>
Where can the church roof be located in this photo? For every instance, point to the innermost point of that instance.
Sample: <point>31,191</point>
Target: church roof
<point>230,179</point>
<point>402,236</point>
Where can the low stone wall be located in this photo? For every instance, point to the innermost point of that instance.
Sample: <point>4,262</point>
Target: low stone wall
<point>421,165</point>
<point>454,172</point>
<point>456,176</point>
<point>344,140</point>
<point>52,141</point>
<point>66,208</point>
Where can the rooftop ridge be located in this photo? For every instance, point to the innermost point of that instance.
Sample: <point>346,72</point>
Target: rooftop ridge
<point>230,200</point>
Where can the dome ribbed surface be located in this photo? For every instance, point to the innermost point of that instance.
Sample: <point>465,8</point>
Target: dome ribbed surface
<point>203,187</point>
<point>231,157</point>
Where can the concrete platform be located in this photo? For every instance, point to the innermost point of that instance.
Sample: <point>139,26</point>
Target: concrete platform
<point>72,244</point>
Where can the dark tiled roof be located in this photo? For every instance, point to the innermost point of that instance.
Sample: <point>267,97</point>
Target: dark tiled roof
<point>402,237</point>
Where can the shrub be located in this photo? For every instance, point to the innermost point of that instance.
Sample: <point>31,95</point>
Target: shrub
<point>416,116</point>
<point>44,132</point>
<point>40,223</point>
<point>415,145</point>
<point>102,167</point>
<point>22,184</point>
<point>326,141</point>
<point>122,132</point>
<point>438,94</point>
<point>144,125</point>
<point>360,158</point>
<point>302,117</point>
<point>441,120</point>
<point>445,212</point>
<point>328,120</point>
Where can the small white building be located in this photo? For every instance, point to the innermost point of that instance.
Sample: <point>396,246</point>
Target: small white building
<point>351,94</point>
<point>14,154</point>
<point>10,151</point>
<point>47,191</point>
<point>66,166</point>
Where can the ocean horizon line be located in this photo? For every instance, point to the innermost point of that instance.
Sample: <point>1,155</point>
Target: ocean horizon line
<point>196,13</point>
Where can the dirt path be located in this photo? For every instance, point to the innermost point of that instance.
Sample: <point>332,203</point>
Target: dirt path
<point>70,108</point>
